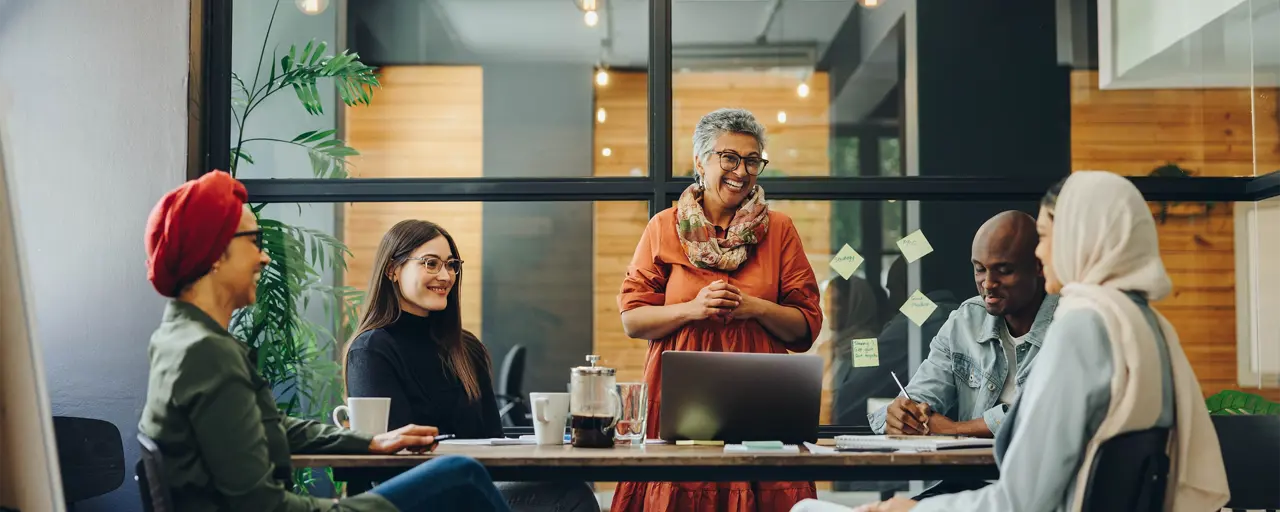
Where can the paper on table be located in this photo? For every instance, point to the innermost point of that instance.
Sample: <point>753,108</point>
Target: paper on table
<point>918,308</point>
<point>846,261</point>
<point>914,246</point>
<point>866,353</point>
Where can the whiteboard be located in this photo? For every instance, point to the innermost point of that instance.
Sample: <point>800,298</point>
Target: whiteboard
<point>1257,237</point>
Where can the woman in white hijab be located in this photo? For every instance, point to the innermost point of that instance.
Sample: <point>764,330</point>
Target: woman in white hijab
<point>1106,359</point>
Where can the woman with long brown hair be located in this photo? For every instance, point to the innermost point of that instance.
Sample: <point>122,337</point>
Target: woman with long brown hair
<point>410,345</point>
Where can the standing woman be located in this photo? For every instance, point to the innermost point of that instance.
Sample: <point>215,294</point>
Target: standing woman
<point>1111,364</point>
<point>225,445</point>
<point>719,272</point>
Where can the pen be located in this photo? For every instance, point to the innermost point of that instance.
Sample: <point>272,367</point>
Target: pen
<point>444,437</point>
<point>904,390</point>
<point>904,393</point>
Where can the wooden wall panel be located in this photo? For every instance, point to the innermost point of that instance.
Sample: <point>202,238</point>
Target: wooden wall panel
<point>1210,132</point>
<point>426,121</point>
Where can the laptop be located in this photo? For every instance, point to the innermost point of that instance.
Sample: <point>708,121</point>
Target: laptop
<point>735,397</point>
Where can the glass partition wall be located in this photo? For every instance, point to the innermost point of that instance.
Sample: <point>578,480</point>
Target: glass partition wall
<point>544,134</point>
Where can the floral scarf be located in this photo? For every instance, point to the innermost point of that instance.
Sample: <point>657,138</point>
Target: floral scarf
<point>697,233</point>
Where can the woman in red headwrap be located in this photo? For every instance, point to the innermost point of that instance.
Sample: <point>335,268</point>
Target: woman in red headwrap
<point>225,445</point>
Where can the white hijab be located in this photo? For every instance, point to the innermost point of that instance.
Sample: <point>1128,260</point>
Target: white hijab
<point>1105,244</point>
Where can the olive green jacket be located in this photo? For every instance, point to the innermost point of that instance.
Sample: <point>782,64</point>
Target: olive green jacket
<point>226,447</point>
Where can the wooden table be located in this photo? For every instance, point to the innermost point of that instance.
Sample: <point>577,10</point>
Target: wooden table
<point>667,463</point>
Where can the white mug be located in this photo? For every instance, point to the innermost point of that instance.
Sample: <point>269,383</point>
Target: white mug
<point>368,415</point>
<point>550,413</point>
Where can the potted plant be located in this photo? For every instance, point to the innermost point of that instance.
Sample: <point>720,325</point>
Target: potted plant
<point>294,353</point>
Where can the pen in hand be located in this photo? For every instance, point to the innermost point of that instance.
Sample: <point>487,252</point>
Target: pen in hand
<point>925,419</point>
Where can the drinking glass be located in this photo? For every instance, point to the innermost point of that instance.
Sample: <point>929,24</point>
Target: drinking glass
<point>635,407</point>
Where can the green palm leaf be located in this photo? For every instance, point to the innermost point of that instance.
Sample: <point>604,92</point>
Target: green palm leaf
<point>1230,401</point>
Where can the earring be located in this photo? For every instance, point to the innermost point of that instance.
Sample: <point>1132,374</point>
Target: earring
<point>698,180</point>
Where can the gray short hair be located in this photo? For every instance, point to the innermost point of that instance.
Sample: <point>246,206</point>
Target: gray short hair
<point>720,122</point>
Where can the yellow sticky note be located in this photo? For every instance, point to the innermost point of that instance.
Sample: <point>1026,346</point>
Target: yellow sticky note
<point>846,261</point>
<point>914,246</point>
<point>918,308</point>
<point>866,352</point>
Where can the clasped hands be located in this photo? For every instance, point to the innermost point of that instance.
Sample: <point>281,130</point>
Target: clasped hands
<point>723,301</point>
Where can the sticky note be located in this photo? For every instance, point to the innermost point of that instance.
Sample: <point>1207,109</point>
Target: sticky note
<point>866,353</point>
<point>914,246</point>
<point>918,308</point>
<point>846,261</point>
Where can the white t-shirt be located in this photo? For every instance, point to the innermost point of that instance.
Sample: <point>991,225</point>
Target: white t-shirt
<point>1010,343</point>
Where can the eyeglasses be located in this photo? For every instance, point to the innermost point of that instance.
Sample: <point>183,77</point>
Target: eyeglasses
<point>256,234</point>
<point>433,264</point>
<point>729,162</point>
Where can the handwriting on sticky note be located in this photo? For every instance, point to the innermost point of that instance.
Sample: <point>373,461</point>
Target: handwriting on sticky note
<point>918,308</point>
<point>846,261</point>
<point>866,352</point>
<point>914,246</point>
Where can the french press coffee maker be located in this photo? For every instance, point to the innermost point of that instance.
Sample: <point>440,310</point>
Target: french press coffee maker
<point>594,405</point>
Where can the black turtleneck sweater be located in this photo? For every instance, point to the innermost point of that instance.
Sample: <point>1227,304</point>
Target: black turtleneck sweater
<point>403,361</point>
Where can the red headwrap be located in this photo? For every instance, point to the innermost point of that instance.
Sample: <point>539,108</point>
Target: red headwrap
<point>190,228</point>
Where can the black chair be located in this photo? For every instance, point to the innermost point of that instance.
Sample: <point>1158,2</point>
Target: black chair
<point>150,476</point>
<point>1251,454</point>
<point>91,457</point>
<point>513,409</point>
<point>1130,473</point>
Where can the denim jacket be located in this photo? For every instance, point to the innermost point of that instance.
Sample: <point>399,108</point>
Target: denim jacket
<point>965,372</point>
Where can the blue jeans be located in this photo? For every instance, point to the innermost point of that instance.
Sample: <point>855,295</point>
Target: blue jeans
<point>443,484</point>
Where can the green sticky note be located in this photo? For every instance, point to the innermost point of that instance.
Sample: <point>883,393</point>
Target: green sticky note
<point>914,246</point>
<point>846,261</point>
<point>763,445</point>
<point>866,353</point>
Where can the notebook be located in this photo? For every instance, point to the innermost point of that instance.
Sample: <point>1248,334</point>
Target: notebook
<point>739,448</point>
<point>913,443</point>
<point>500,441</point>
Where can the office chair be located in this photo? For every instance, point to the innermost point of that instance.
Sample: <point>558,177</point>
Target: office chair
<point>1251,454</point>
<point>90,455</point>
<point>1130,473</point>
<point>513,409</point>
<point>151,478</point>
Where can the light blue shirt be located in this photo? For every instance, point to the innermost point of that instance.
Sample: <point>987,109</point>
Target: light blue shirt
<point>1040,450</point>
<point>965,372</point>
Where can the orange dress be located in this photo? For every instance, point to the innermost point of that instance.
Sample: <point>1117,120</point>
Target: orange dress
<point>660,274</point>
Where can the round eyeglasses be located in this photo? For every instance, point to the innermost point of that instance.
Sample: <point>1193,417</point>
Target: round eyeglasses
<point>729,162</point>
<point>433,264</point>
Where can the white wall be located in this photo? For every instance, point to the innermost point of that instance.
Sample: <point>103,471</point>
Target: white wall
<point>1257,233</point>
<point>96,132</point>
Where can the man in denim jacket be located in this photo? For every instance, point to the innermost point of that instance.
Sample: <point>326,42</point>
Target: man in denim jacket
<point>983,353</point>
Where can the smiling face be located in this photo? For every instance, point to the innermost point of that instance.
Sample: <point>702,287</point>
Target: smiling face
<point>728,189</point>
<point>1005,269</point>
<point>426,277</point>
<point>238,270</point>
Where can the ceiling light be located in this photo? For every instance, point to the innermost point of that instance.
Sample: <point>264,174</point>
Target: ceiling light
<point>869,4</point>
<point>802,90</point>
<point>600,115</point>
<point>312,7</point>
<point>590,18</point>
<point>782,116</point>
<point>602,78</point>
<point>606,152</point>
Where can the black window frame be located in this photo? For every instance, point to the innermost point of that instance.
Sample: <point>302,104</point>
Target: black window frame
<point>660,187</point>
